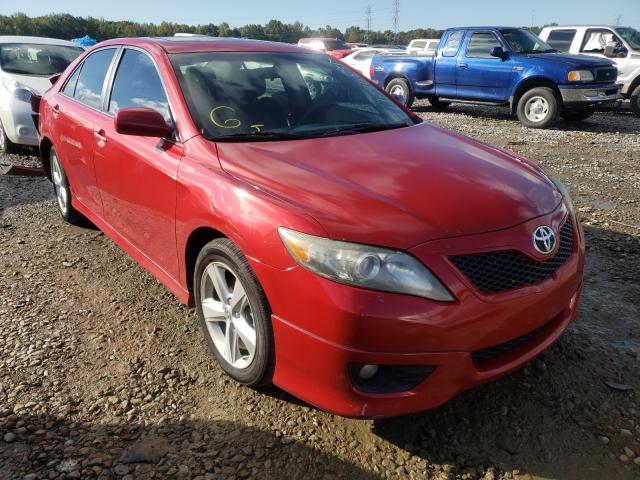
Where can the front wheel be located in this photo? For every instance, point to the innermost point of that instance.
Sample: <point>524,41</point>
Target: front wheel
<point>400,90</point>
<point>577,115</point>
<point>635,100</point>
<point>538,108</point>
<point>234,313</point>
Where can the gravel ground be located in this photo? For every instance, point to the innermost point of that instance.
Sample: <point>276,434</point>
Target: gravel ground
<point>104,374</point>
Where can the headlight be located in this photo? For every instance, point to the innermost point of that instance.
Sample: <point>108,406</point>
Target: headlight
<point>580,76</point>
<point>363,266</point>
<point>17,89</point>
<point>564,190</point>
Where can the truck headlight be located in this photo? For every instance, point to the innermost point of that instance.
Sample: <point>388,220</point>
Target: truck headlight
<point>580,76</point>
<point>364,266</point>
<point>17,89</point>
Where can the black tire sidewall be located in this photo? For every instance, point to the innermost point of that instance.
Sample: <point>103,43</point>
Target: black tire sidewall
<point>9,146</point>
<point>635,100</point>
<point>438,104</point>
<point>260,370</point>
<point>405,85</point>
<point>554,107</point>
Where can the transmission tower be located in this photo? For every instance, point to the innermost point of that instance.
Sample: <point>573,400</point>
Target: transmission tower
<point>396,19</point>
<point>368,14</point>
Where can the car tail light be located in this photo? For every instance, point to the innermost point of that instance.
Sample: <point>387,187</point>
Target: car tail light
<point>371,71</point>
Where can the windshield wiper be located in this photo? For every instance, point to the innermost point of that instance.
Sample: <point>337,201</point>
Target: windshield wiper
<point>361,128</point>
<point>256,136</point>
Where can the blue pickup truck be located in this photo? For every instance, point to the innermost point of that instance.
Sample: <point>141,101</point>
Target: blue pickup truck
<point>501,66</point>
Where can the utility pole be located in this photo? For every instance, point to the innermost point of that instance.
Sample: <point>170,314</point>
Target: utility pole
<point>396,19</point>
<point>368,14</point>
<point>618,19</point>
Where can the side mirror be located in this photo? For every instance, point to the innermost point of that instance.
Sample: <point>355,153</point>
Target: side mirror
<point>143,122</point>
<point>498,52</point>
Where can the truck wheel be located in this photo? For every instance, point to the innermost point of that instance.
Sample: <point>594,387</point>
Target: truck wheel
<point>437,103</point>
<point>577,115</point>
<point>538,108</point>
<point>635,100</point>
<point>399,88</point>
<point>6,145</point>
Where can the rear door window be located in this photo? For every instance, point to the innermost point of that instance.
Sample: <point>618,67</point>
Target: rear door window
<point>481,44</point>
<point>451,46</point>
<point>92,76</point>
<point>561,40</point>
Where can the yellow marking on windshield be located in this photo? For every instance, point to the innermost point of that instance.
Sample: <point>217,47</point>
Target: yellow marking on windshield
<point>258,127</point>
<point>229,122</point>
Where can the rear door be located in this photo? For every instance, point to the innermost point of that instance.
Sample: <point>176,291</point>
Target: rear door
<point>137,175</point>
<point>76,108</point>
<point>481,76</point>
<point>446,63</point>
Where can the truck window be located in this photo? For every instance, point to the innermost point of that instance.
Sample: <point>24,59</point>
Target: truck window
<point>561,40</point>
<point>450,48</point>
<point>595,40</point>
<point>418,45</point>
<point>481,44</point>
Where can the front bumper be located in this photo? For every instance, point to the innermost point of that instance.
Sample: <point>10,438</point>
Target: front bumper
<point>589,95</point>
<point>321,327</point>
<point>18,123</point>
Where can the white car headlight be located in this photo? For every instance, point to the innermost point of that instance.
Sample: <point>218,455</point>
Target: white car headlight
<point>17,89</point>
<point>364,266</point>
<point>564,191</point>
<point>580,76</point>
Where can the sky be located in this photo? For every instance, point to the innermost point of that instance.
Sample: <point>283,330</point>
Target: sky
<point>341,13</point>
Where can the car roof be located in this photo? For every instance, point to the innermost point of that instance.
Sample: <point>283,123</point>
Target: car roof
<point>486,27</point>
<point>36,40</point>
<point>581,26</point>
<point>204,44</point>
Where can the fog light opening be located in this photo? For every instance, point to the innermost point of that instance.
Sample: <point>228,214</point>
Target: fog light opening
<point>369,378</point>
<point>367,371</point>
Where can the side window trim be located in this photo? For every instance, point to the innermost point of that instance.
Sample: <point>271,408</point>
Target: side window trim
<point>471,33</point>
<point>62,88</point>
<point>108,88</point>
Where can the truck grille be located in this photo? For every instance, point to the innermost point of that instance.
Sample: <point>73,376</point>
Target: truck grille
<point>494,272</point>
<point>607,74</point>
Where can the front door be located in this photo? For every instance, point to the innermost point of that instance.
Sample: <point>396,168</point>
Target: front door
<point>481,76</point>
<point>137,175</point>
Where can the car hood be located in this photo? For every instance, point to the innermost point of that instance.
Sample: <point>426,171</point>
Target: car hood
<point>571,60</point>
<point>35,83</point>
<point>396,188</point>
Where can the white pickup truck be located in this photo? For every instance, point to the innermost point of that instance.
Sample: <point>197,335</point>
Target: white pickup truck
<point>620,44</point>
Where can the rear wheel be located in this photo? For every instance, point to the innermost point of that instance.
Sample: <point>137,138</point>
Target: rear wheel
<point>6,145</point>
<point>577,115</point>
<point>234,313</point>
<point>399,88</point>
<point>635,100</point>
<point>62,191</point>
<point>437,103</point>
<point>538,108</point>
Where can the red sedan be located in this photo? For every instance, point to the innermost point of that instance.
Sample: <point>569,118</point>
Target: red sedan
<point>332,243</point>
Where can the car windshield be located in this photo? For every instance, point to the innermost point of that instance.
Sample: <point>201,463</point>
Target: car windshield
<point>631,35</point>
<point>331,45</point>
<point>523,41</point>
<point>242,96</point>
<point>34,59</point>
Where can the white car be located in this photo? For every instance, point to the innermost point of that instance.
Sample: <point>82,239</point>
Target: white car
<point>423,46</point>
<point>619,44</point>
<point>360,60</point>
<point>26,63</point>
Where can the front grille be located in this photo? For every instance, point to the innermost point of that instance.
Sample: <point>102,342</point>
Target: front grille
<point>607,74</point>
<point>494,272</point>
<point>490,353</point>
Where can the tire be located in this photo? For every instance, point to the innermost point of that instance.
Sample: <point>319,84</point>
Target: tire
<point>400,90</point>
<point>635,100</point>
<point>438,104</point>
<point>538,108</point>
<point>62,191</point>
<point>577,115</point>
<point>6,145</point>
<point>222,263</point>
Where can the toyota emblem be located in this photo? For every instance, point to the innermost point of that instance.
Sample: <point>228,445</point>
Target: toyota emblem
<point>544,240</point>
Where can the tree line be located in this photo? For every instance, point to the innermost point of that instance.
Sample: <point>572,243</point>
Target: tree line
<point>66,26</point>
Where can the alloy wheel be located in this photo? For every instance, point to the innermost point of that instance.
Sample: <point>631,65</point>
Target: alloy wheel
<point>227,314</point>
<point>536,109</point>
<point>59,185</point>
<point>398,92</point>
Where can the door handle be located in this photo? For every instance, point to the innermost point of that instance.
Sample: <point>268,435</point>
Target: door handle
<point>100,136</point>
<point>463,65</point>
<point>56,110</point>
